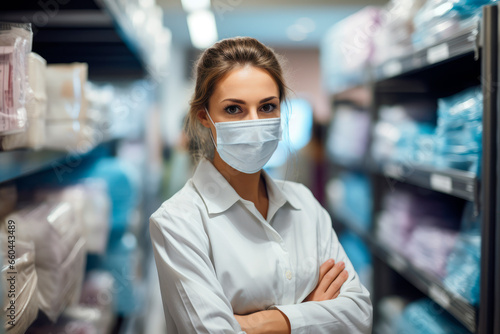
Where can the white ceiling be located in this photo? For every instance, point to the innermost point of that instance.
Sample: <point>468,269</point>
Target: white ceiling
<point>266,20</point>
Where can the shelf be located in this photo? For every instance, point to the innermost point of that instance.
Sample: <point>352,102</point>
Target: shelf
<point>456,305</point>
<point>462,43</point>
<point>458,183</point>
<point>19,163</point>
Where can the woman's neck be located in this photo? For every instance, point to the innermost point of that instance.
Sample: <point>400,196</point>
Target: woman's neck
<point>250,187</point>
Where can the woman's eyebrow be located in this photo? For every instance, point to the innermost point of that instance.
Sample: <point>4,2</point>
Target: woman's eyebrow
<point>243,102</point>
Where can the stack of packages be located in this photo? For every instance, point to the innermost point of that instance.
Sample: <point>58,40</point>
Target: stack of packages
<point>119,254</point>
<point>394,38</point>
<point>69,126</point>
<point>15,46</point>
<point>407,133</point>
<point>43,106</point>
<point>422,227</point>
<point>53,277</point>
<point>459,131</point>
<point>347,49</point>
<point>401,131</point>
<point>47,257</point>
<point>439,19</point>
<point>19,277</point>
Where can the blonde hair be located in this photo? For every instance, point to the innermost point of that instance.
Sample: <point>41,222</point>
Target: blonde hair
<point>213,64</point>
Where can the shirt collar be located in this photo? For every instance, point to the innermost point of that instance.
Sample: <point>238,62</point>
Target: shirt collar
<point>219,195</point>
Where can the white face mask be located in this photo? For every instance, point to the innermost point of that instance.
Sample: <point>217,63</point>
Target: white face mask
<point>247,145</point>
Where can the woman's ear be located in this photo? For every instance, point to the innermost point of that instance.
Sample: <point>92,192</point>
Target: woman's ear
<point>203,118</point>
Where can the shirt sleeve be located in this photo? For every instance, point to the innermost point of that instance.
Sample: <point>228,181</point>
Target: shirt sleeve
<point>351,312</point>
<point>191,293</point>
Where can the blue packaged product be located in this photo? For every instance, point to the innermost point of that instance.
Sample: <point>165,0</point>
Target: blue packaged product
<point>351,199</point>
<point>459,130</point>
<point>463,265</point>
<point>438,20</point>
<point>426,317</point>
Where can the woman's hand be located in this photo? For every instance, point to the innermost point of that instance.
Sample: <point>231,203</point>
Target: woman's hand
<point>331,277</point>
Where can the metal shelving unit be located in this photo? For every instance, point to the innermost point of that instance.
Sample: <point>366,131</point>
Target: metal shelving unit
<point>455,182</point>
<point>461,43</point>
<point>468,58</point>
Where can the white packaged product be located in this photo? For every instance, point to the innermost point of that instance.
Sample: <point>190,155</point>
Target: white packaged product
<point>15,45</point>
<point>66,91</point>
<point>68,135</point>
<point>60,252</point>
<point>20,298</point>
<point>36,107</point>
<point>91,202</point>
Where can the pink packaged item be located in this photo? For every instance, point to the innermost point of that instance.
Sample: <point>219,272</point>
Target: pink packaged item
<point>15,45</point>
<point>36,108</point>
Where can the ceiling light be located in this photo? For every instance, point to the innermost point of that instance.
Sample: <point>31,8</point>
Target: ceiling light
<point>202,29</point>
<point>195,5</point>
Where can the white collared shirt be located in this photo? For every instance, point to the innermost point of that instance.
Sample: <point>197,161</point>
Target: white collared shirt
<point>217,256</point>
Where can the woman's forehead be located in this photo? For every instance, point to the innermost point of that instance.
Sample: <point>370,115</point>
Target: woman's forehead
<point>246,83</point>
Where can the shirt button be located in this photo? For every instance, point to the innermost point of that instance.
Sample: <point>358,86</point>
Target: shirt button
<point>288,274</point>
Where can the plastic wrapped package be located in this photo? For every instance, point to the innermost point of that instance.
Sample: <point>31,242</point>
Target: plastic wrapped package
<point>428,248</point>
<point>68,126</point>
<point>60,252</point>
<point>397,134</point>
<point>464,266</point>
<point>20,297</point>
<point>122,180</point>
<point>66,91</point>
<point>69,135</point>
<point>15,46</point>
<point>36,108</point>
<point>347,49</point>
<point>91,203</point>
<point>347,140</point>
<point>350,198</point>
<point>440,19</point>
<point>459,131</point>
<point>404,211</point>
<point>394,38</point>
<point>424,316</point>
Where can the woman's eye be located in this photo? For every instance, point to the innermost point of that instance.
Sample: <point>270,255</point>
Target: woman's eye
<point>268,107</point>
<point>232,109</point>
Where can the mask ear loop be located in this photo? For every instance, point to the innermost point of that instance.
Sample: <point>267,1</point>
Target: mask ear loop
<point>211,136</point>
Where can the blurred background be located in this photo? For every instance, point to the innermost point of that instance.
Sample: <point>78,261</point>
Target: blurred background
<point>392,126</point>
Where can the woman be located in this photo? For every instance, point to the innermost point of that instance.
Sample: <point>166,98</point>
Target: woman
<point>237,251</point>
